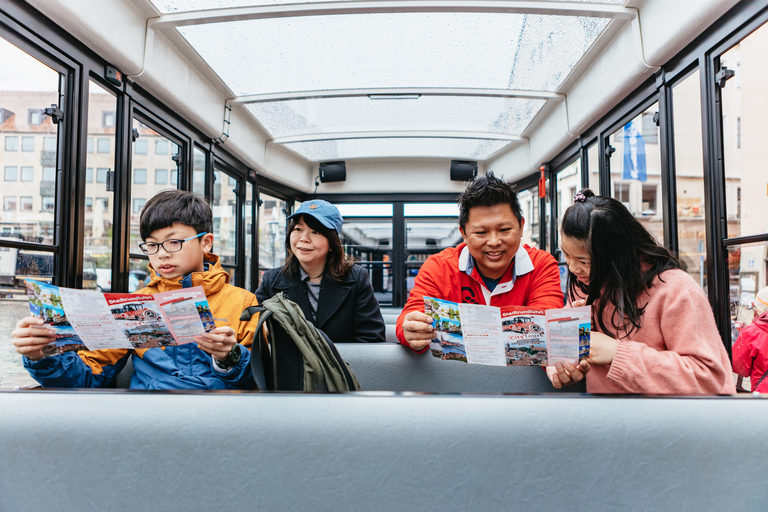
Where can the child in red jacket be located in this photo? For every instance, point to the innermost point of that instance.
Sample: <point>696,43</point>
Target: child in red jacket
<point>750,352</point>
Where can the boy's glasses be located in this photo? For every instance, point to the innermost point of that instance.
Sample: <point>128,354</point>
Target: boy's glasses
<point>172,245</point>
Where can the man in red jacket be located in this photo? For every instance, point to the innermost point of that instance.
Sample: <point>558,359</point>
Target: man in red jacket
<point>491,267</point>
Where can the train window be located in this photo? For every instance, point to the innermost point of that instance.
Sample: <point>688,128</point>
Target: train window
<point>529,203</point>
<point>368,239</point>
<point>593,167</point>
<point>427,234</point>
<point>744,102</point>
<point>636,170</point>
<point>141,187</point>
<point>225,218</point>
<point>689,177</point>
<point>28,86</point>
<point>99,218</point>
<point>198,171</point>
<point>248,228</point>
<point>568,183</point>
<point>272,227</point>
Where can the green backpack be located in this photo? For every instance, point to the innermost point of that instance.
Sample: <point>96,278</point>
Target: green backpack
<point>301,357</point>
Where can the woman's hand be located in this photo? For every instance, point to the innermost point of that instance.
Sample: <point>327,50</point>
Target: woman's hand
<point>567,374</point>
<point>578,303</point>
<point>602,348</point>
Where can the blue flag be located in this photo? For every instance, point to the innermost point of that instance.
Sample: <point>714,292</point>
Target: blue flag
<point>634,153</point>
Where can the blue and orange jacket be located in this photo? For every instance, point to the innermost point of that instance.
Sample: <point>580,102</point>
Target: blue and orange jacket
<point>174,367</point>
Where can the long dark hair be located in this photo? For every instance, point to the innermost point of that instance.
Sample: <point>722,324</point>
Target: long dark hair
<point>337,264</point>
<point>619,247</point>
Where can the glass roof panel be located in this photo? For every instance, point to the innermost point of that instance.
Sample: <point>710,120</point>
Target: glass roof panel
<point>474,149</point>
<point>427,113</point>
<point>168,6</point>
<point>466,50</point>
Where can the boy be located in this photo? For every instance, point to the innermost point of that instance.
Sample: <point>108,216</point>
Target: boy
<point>176,228</point>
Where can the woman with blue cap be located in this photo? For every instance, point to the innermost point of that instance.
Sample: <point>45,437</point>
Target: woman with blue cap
<point>334,293</point>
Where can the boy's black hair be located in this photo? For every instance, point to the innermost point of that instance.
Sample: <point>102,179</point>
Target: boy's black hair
<point>487,190</point>
<point>619,247</point>
<point>173,205</point>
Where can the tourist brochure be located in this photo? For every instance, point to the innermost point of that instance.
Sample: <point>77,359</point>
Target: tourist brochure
<point>91,320</point>
<point>508,336</point>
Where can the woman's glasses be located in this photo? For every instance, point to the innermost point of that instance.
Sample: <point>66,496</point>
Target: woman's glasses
<point>172,245</point>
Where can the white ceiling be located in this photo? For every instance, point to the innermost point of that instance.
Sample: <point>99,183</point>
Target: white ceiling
<point>357,79</point>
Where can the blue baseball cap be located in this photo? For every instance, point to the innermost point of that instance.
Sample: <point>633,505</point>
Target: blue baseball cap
<point>325,213</point>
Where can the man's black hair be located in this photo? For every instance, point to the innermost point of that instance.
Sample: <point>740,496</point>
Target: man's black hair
<point>487,190</point>
<point>173,205</point>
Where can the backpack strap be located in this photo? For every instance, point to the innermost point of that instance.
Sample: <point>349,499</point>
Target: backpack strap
<point>765,374</point>
<point>257,357</point>
<point>352,383</point>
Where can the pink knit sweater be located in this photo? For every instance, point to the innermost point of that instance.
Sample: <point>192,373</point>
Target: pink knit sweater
<point>676,351</point>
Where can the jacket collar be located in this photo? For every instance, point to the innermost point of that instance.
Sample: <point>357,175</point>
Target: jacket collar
<point>332,295</point>
<point>212,280</point>
<point>521,263</point>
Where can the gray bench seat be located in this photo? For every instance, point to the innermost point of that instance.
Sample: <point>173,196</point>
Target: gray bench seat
<point>120,450</point>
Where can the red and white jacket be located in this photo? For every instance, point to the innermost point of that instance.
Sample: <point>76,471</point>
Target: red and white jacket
<point>533,279</point>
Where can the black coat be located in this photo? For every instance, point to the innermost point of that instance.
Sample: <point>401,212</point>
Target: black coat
<point>346,311</point>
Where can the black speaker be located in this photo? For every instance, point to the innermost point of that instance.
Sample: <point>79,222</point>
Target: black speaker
<point>463,170</point>
<point>333,171</point>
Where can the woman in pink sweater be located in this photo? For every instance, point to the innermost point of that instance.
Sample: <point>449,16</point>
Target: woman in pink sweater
<point>652,327</point>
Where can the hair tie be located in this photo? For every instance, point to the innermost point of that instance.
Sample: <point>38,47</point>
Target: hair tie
<point>579,198</point>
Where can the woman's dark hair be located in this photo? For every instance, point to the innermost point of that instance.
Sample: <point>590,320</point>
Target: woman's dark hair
<point>619,247</point>
<point>337,264</point>
<point>487,190</point>
<point>169,206</point>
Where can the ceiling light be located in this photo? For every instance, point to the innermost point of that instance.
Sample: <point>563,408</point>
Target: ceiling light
<point>394,96</point>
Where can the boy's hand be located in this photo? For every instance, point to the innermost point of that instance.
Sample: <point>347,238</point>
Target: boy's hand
<point>218,342</point>
<point>30,336</point>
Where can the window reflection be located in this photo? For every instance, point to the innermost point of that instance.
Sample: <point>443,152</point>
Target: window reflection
<point>27,149</point>
<point>198,171</point>
<point>145,164</point>
<point>272,226</point>
<point>689,176</point>
<point>225,214</point>
<point>248,227</point>
<point>99,213</point>
<point>529,203</point>
<point>424,237</point>
<point>636,170</point>
<point>369,242</point>
<point>744,107</point>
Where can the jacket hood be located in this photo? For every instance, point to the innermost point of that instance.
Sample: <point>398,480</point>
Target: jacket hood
<point>761,322</point>
<point>213,280</point>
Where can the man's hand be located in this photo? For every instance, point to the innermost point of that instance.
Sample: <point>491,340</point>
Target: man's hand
<point>218,342</point>
<point>418,329</point>
<point>567,374</point>
<point>30,336</point>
